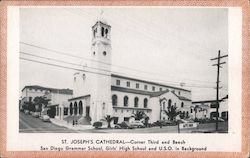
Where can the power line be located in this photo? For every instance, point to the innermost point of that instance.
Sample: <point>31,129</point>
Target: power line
<point>88,59</point>
<point>92,71</point>
<point>64,62</point>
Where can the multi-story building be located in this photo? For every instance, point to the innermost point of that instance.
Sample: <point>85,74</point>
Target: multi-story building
<point>206,109</point>
<point>55,96</point>
<point>98,93</point>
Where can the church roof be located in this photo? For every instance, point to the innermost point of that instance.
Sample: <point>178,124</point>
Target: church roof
<point>151,94</point>
<point>149,82</point>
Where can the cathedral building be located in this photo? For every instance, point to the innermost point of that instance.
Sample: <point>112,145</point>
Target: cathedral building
<point>99,92</point>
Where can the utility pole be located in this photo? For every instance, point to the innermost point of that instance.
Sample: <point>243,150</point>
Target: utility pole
<point>218,80</point>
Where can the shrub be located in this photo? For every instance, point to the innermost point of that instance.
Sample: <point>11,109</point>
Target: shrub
<point>97,124</point>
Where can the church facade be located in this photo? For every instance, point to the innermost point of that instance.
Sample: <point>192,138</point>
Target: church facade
<point>98,93</point>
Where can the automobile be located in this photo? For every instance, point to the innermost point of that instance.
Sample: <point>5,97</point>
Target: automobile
<point>45,118</point>
<point>137,124</point>
<point>117,126</point>
<point>126,125</point>
<point>35,114</point>
<point>219,119</point>
<point>26,112</point>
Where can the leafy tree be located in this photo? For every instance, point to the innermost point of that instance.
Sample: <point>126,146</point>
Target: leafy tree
<point>172,112</point>
<point>40,101</point>
<point>108,118</point>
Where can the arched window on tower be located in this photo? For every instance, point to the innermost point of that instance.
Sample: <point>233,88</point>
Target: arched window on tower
<point>102,32</point>
<point>125,101</point>
<point>182,104</point>
<point>145,103</point>
<point>114,100</point>
<point>136,101</point>
<point>106,33</point>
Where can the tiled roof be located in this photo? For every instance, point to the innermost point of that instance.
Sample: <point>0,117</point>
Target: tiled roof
<point>149,82</point>
<point>55,90</point>
<point>80,97</point>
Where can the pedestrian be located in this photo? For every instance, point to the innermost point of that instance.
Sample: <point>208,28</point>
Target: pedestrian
<point>73,122</point>
<point>76,122</point>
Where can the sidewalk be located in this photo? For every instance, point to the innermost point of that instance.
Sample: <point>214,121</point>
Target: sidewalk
<point>63,123</point>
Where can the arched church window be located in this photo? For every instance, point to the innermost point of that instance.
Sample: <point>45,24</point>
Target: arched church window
<point>145,103</point>
<point>104,53</point>
<point>75,108</point>
<point>80,108</point>
<point>164,105</point>
<point>114,100</point>
<point>169,103</point>
<point>136,102</point>
<point>102,32</point>
<point>125,101</point>
<point>71,109</point>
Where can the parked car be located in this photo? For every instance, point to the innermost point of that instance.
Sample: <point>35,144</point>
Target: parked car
<point>137,124</point>
<point>219,119</point>
<point>35,114</point>
<point>45,118</point>
<point>118,126</point>
<point>126,125</point>
<point>26,112</point>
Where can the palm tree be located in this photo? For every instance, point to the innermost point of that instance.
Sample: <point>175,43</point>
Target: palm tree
<point>172,112</point>
<point>139,115</point>
<point>108,118</point>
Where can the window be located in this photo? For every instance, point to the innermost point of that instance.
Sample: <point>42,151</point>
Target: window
<point>80,108</point>
<point>136,101</point>
<point>102,32</point>
<point>137,85</point>
<point>153,88</point>
<point>182,104</point>
<point>145,103</point>
<point>65,111</point>
<point>93,53</point>
<point>160,89</point>
<point>104,53</point>
<point>30,99</point>
<point>128,84</point>
<point>118,82</point>
<point>126,118</point>
<point>106,33</point>
<point>75,108</point>
<point>114,100</point>
<point>71,109</point>
<point>145,87</point>
<point>169,102</point>
<point>125,101</point>
<point>179,92</point>
<point>103,106</point>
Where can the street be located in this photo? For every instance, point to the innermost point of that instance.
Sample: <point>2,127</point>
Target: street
<point>29,124</point>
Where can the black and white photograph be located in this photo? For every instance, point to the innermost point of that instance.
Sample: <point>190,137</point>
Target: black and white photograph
<point>123,70</point>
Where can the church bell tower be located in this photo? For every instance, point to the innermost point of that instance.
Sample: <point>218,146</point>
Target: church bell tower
<point>101,52</point>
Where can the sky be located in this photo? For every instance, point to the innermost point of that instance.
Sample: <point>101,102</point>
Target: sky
<point>166,45</point>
